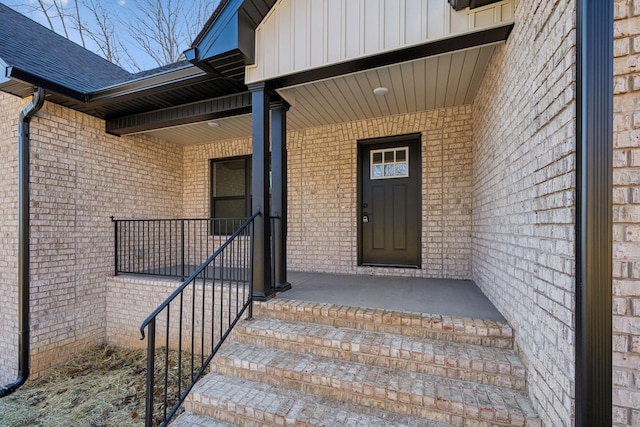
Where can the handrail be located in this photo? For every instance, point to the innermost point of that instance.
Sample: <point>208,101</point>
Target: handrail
<point>207,311</point>
<point>195,274</point>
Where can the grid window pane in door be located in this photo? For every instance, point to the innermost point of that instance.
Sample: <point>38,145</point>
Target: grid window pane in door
<point>390,163</point>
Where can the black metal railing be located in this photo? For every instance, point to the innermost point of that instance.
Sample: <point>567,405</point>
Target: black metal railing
<point>168,247</point>
<point>194,322</point>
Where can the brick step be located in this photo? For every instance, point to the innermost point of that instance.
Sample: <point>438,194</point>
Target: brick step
<point>243,402</point>
<point>430,397</point>
<point>468,362</point>
<point>188,419</point>
<point>488,333</point>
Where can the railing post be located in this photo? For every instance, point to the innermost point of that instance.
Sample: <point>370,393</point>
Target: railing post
<point>115,242</point>
<point>182,248</point>
<point>151,350</point>
<point>251,230</point>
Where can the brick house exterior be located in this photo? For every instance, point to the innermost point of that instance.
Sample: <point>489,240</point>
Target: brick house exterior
<point>498,206</point>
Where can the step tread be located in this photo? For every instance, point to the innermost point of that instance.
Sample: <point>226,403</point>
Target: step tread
<point>373,382</point>
<point>480,331</point>
<point>354,340</point>
<point>272,405</point>
<point>486,365</point>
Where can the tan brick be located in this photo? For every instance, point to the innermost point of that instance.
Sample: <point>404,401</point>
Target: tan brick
<point>80,176</point>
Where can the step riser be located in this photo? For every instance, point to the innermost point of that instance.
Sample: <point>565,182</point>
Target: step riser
<point>310,364</point>
<point>237,414</point>
<point>255,403</point>
<point>454,413</point>
<point>461,330</point>
<point>191,419</point>
<point>492,373</point>
<point>246,416</point>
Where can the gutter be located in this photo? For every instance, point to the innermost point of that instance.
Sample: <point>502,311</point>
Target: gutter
<point>39,82</point>
<point>23,241</point>
<point>182,76</point>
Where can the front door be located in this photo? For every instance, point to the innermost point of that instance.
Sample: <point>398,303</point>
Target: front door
<point>390,202</point>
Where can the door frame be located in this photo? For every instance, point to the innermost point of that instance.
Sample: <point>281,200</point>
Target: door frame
<point>409,138</point>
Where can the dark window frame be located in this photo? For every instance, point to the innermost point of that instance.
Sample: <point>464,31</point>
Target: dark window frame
<point>247,191</point>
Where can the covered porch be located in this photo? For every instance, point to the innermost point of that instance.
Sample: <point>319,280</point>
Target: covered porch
<point>308,135</point>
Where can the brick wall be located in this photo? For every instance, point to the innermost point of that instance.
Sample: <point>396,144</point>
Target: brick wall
<point>626,215</point>
<point>323,191</point>
<point>80,178</point>
<point>9,109</point>
<point>523,196</point>
<point>131,299</point>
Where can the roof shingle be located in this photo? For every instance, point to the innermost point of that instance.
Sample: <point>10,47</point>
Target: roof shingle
<point>30,47</point>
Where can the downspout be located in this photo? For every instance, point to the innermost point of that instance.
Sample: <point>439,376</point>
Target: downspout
<point>23,241</point>
<point>594,212</point>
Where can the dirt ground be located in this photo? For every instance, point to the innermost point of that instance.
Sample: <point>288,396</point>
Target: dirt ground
<point>103,386</point>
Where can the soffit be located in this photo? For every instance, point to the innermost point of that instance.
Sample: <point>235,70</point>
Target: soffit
<point>202,133</point>
<point>446,80</point>
<point>420,85</point>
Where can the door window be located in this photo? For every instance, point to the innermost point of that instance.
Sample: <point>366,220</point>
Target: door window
<point>390,163</point>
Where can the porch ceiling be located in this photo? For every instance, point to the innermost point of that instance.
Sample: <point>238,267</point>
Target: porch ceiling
<point>445,80</point>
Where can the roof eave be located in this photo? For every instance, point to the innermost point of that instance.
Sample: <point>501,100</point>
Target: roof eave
<point>154,82</point>
<point>212,20</point>
<point>230,31</point>
<point>14,73</point>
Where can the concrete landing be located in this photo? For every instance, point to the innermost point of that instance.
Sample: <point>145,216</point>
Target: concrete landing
<point>434,296</point>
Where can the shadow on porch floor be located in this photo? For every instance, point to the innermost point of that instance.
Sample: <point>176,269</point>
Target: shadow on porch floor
<point>434,296</point>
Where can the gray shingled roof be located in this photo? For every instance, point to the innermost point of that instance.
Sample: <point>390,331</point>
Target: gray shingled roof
<point>30,47</point>
<point>159,70</point>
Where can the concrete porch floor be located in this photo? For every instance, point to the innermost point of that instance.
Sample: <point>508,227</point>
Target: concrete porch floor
<point>433,296</point>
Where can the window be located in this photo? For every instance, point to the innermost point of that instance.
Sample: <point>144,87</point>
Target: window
<point>390,163</point>
<point>231,187</point>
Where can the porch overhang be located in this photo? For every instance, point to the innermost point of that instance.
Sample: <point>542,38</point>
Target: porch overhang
<point>196,112</point>
<point>211,85</point>
<point>438,47</point>
<point>442,73</point>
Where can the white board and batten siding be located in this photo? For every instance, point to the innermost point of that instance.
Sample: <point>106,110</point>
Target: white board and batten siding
<point>299,35</point>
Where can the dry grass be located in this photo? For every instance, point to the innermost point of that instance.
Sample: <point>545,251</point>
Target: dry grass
<point>103,386</point>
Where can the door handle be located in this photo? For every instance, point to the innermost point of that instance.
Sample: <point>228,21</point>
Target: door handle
<point>365,217</point>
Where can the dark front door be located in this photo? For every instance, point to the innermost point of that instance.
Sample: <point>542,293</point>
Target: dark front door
<point>390,202</point>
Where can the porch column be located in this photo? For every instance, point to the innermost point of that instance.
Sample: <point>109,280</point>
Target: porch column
<point>262,287</point>
<point>279,192</point>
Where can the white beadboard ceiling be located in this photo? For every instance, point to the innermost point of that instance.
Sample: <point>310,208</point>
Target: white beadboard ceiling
<point>441,81</point>
<point>202,133</point>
